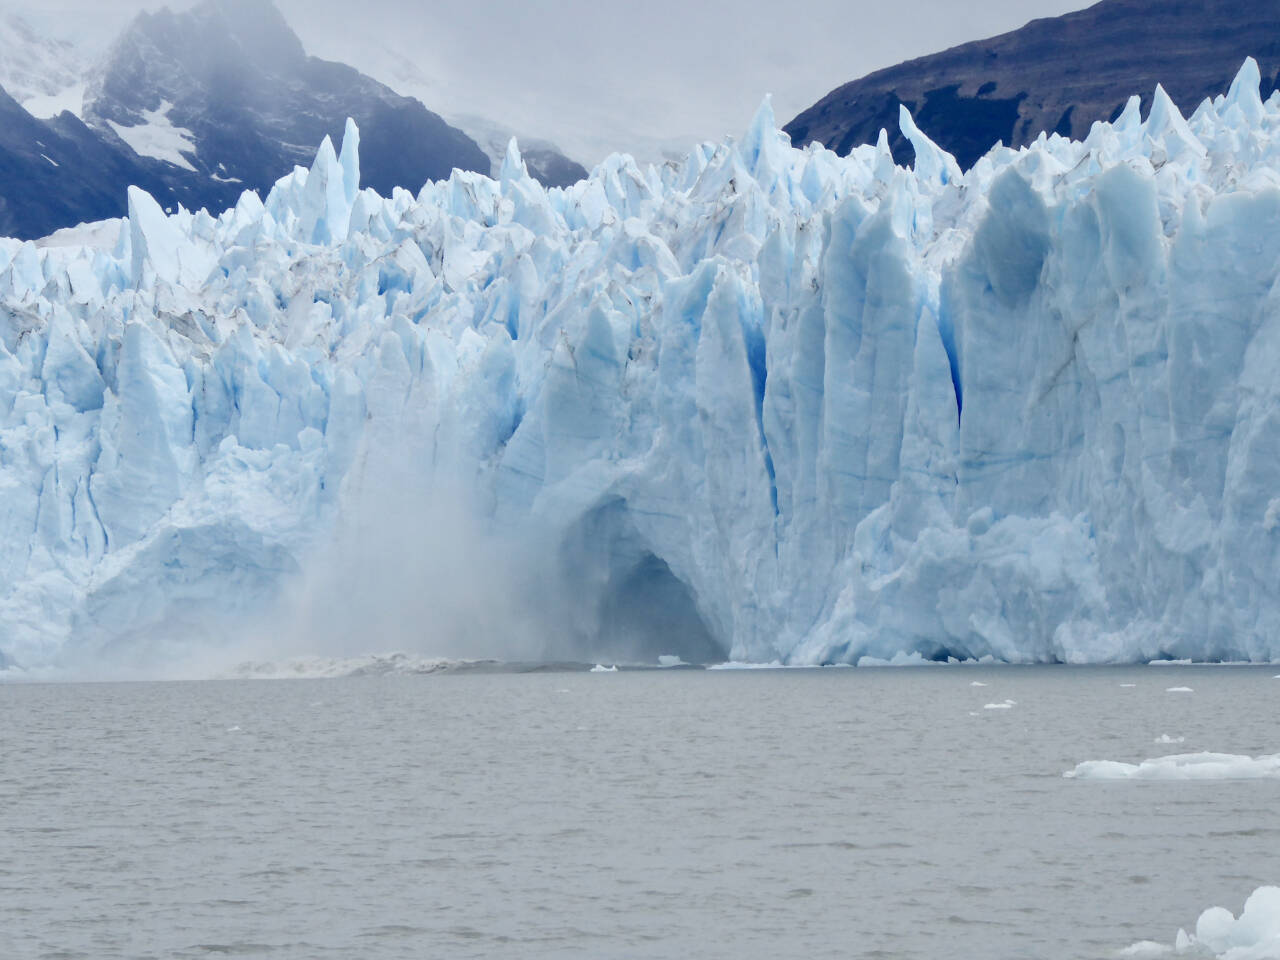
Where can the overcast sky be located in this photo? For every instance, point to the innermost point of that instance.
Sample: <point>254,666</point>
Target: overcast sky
<point>603,75</point>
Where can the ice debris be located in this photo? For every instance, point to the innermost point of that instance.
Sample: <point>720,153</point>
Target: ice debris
<point>1254,935</point>
<point>1186,766</point>
<point>374,665</point>
<point>842,410</point>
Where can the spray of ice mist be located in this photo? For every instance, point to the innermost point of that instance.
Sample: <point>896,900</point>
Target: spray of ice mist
<point>416,565</point>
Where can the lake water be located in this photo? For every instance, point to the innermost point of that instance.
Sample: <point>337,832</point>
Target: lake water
<point>663,814</point>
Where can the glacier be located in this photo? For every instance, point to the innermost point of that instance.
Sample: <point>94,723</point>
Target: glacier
<point>763,405</point>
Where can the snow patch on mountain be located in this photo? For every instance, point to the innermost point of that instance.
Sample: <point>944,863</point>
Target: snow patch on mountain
<point>157,137</point>
<point>69,99</point>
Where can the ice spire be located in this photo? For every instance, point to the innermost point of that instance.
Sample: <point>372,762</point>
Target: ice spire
<point>1165,122</point>
<point>764,142</point>
<point>331,189</point>
<point>513,167</point>
<point>1245,91</point>
<point>933,164</point>
<point>153,238</point>
<point>350,161</point>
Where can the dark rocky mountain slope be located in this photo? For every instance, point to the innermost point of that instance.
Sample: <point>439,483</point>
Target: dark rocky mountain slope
<point>234,76</point>
<point>1053,75</point>
<point>197,106</point>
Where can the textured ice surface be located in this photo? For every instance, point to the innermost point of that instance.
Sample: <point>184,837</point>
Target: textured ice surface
<point>1254,935</point>
<point>764,405</point>
<point>1186,766</point>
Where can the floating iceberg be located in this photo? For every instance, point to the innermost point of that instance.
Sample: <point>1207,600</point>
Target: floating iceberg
<point>1254,935</point>
<point>1185,766</point>
<point>764,405</point>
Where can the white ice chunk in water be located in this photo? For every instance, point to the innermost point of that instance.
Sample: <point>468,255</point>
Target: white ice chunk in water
<point>1187,766</point>
<point>1254,935</point>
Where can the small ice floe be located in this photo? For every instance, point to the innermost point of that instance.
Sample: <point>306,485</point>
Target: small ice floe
<point>233,729</point>
<point>1165,739</point>
<point>977,683</point>
<point>1185,766</point>
<point>1128,686</point>
<point>1179,690</point>
<point>373,665</point>
<point>899,659</point>
<point>1007,705</point>
<point>1170,663</point>
<point>601,668</point>
<point>670,661</point>
<point>1144,949</point>
<point>1254,935</point>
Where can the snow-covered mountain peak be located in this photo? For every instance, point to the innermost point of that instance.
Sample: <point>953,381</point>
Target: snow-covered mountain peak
<point>196,105</point>
<point>225,90</point>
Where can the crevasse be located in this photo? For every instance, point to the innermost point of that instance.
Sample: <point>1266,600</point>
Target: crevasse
<point>812,408</point>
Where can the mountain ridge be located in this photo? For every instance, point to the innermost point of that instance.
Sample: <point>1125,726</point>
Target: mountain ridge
<point>1053,75</point>
<point>198,105</point>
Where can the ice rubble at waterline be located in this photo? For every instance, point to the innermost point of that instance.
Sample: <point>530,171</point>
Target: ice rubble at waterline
<point>829,408</point>
<point>1254,935</point>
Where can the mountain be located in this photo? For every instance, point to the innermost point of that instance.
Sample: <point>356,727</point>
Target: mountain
<point>1056,75</point>
<point>56,173</point>
<point>767,404</point>
<point>545,162</point>
<point>227,91</point>
<point>196,107</point>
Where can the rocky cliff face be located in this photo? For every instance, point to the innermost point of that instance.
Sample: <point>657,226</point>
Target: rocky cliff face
<point>1056,75</point>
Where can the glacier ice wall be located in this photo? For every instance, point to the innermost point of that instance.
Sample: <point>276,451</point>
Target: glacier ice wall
<point>789,405</point>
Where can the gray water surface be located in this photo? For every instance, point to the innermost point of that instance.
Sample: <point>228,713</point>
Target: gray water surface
<point>805,814</point>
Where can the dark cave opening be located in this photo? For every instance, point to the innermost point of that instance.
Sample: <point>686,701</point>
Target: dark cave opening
<point>634,608</point>
<point>649,613</point>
